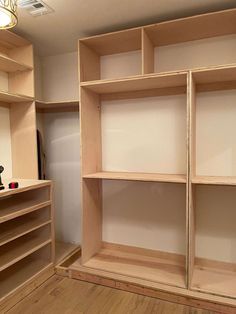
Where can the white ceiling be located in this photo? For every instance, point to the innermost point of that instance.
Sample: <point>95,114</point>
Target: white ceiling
<point>58,32</point>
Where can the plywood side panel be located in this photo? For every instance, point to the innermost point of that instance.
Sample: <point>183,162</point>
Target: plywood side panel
<point>90,121</point>
<point>89,64</point>
<point>92,218</point>
<point>23,54</point>
<point>24,142</point>
<point>22,83</point>
<point>192,167</point>
<point>147,54</point>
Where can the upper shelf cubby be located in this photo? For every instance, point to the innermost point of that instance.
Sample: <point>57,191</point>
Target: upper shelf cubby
<point>110,56</point>
<point>190,43</point>
<point>16,65</point>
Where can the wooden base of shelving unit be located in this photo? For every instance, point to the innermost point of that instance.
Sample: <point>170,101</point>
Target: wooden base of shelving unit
<point>24,281</point>
<point>217,279</point>
<point>66,255</point>
<point>140,263</point>
<point>161,291</point>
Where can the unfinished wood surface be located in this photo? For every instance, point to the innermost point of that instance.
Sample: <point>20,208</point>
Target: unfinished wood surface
<point>52,107</point>
<point>140,263</point>
<point>8,97</point>
<point>9,214</point>
<point>134,176</point>
<point>89,64</point>
<point>63,250</point>
<point>10,65</point>
<point>24,141</point>
<point>192,28</point>
<point>214,180</point>
<point>21,279</point>
<point>75,296</point>
<point>16,229</point>
<point>92,218</point>
<point>137,83</point>
<point>62,268</point>
<point>22,83</point>
<point>11,40</point>
<point>24,186</point>
<point>21,248</point>
<point>116,42</point>
<point>215,280</point>
<point>147,54</point>
<point>191,172</point>
<point>217,78</point>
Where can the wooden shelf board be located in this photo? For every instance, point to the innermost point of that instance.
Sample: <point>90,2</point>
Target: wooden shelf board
<point>215,78</point>
<point>214,281</point>
<point>20,249</point>
<point>24,185</point>
<point>135,176</point>
<point>215,180</point>
<point>18,229</point>
<point>19,274</point>
<point>18,210</point>
<point>145,264</point>
<point>59,106</point>
<point>13,98</point>
<point>192,28</point>
<point>63,250</point>
<point>137,83</point>
<point>10,65</point>
<point>11,40</point>
<point>115,42</point>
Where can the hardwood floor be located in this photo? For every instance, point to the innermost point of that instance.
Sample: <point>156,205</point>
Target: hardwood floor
<point>61,295</point>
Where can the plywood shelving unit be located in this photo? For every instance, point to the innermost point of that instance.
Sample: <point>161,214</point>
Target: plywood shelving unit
<point>27,244</point>
<point>129,178</point>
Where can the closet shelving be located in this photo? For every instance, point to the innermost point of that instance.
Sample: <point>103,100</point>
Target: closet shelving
<point>27,249</point>
<point>57,106</point>
<point>27,243</point>
<point>203,269</point>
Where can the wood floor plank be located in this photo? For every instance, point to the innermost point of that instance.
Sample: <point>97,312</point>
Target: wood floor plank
<point>61,295</point>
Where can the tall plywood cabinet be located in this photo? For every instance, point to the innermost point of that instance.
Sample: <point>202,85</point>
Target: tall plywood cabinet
<point>157,114</point>
<point>27,242</point>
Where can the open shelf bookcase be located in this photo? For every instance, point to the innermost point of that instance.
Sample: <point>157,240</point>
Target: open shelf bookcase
<point>157,114</point>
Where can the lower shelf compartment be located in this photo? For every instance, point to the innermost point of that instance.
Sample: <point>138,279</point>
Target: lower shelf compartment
<point>219,279</point>
<point>20,273</point>
<point>141,263</point>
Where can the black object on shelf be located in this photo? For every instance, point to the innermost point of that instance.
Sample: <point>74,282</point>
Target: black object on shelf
<point>1,171</point>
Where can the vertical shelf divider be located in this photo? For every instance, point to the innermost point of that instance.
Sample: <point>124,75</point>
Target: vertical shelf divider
<point>90,123</point>
<point>147,54</point>
<point>191,172</point>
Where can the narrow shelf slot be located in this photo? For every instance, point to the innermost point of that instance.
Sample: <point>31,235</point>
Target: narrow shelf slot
<point>22,209</point>
<point>135,176</point>
<point>145,264</point>
<point>15,229</point>
<point>10,65</point>
<point>18,274</point>
<point>22,247</point>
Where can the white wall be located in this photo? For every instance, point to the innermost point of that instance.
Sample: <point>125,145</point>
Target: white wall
<point>57,80</point>
<point>5,144</point>
<point>194,54</point>
<point>63,167</point>
<point>60,77</point>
